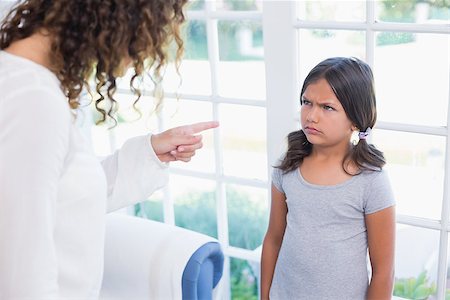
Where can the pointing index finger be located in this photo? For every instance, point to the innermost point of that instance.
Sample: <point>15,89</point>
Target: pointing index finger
<point>198,127</point>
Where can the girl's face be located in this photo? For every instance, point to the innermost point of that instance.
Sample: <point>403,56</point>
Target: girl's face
<point>323,118</point>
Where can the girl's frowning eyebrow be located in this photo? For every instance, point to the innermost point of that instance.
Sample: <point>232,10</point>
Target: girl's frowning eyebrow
<point>324,102</point>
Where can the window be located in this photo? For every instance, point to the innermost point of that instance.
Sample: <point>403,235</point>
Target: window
<point>222,78</point>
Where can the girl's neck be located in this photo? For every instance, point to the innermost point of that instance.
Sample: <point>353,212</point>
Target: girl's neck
<point>35,48</point>
<point>326,166</point>
<point>330,153</point>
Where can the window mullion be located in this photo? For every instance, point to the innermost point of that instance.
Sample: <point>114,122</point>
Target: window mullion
<point>221,205</point>
<point>445,218</point>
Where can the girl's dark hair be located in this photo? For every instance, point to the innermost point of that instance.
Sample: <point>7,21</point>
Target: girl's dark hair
<point>352,82</point>
<point>92,37</point>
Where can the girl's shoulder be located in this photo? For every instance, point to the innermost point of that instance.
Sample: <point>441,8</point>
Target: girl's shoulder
<point>374,178</point>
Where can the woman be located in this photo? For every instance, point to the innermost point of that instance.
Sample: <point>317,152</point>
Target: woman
<point>53,191</point>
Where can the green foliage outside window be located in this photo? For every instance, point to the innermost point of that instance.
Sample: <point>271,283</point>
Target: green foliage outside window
<point>197,211</point>
<point>414,288</point>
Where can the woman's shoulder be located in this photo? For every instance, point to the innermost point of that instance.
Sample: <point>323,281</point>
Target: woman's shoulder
<point>21,74</point>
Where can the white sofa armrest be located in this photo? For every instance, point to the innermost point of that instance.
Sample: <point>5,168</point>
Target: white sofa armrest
<point>145,259</point>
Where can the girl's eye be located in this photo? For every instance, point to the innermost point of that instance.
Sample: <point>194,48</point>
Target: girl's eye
<point>326,107</point>
<point>306,102</point>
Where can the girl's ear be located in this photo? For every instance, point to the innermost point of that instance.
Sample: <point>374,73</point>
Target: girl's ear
<point>354,128</point>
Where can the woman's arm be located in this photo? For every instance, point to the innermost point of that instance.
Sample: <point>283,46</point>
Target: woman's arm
<point>272,240</point>
<point>381,239</point>
<point>139,168</point>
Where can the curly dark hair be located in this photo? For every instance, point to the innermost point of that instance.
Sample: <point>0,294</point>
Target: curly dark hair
<point>94,38</point>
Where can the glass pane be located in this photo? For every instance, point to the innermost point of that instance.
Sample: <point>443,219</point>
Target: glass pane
<point>239,5</point>
<point>194,78</point>
<point>124,82</point>
<point>194,203</point>
<point>152,208</point>
<point>317,45</point>
<point>416,262</point>
<point>247,215</point>
<point>195,5</point>
<point>194,74</point>
<point>243,131</point>
<point>331,10</point>
<point>241,68</point>
<point>428,12</point>
<point>183,112</point>
<point>129,122</point>
<point>415,163</point>
<point>240,40</point>
<point>412,88</point>
<point>4,8</point>
<point>195,43</point>
<point>244,280</point>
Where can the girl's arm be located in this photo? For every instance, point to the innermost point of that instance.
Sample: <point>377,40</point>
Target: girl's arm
<point>272,240</point>
<point>381,239</point>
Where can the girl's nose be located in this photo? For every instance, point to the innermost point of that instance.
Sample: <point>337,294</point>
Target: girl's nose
<point>312,115</point>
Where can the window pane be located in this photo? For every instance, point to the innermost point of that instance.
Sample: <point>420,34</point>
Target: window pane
<point>194,78</point>
<point>195,43</point>
<point>416,262</point>
<point>194,203</point>
<point>243,131</point>
<point>415,163</point>
<point>129,122</point>
<point>183,112</point>
<point>317,45</point>
<point>4,8</point>
<point>244,281</point>
<point>412,88</point>
<point>241,70</point>
<point>195,5</point>
<point>195,75</point>
<point>152,208</point>
<point>247,215</point>
<point>429,12</point>
<point>239,5</point>
<point>331,10</point>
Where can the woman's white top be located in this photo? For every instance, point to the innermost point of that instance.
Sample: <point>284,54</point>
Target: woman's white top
<point>54,192</point>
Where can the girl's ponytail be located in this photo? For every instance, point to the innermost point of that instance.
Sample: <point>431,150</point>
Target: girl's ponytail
<point>366,156</point>
<point>298,148</point>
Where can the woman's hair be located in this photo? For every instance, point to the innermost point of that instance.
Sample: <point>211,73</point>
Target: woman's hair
<point>352,82</point>
<point>95,38</point>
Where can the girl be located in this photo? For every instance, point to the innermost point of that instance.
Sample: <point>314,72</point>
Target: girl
<point>53,191</point>
<point>331,200</point>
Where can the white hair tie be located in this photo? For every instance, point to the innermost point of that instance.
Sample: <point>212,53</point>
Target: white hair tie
<point>364,134</point>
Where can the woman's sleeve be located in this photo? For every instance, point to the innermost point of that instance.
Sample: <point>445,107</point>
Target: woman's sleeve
<point>133,173</point>
<point>34,135</point>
